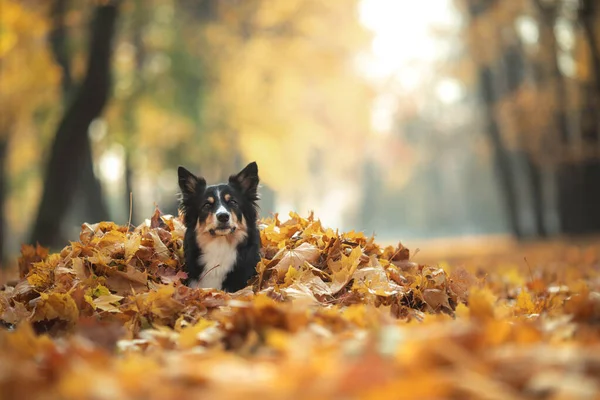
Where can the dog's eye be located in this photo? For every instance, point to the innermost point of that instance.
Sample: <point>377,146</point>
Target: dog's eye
<point>232,202</point>
<point>207,206</point>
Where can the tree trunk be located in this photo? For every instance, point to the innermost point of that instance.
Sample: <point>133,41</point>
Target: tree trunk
<point>538,201</point>
<point>579,193</point>
<point>89,188</point>
<point>58,45</point>
<point>588,19</point>
<point>3,187</point>
<point>590,167</point>
<point>577,180</point>
<point>514,61</point>
<point>502,157</point>
<point>70,149</point>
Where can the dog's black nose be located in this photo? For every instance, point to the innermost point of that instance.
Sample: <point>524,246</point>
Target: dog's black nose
<point>223,217</point>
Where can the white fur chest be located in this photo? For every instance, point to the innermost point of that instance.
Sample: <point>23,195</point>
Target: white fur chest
<point>218,257</point>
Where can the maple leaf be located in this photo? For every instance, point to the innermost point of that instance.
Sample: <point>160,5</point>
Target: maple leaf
<point>79,269</point>
<point>436,299</point>
<point>374,280</point>
<point>342,270</point>
<point>29,255</point>
<point>161,251</point>
<point>170,275</point>
<point>461,281</point>
<point>132,246</point>
<point>56,306</point>
<point>296,257</point>
<point>107,302</point>
<point>13,313</point>
<point>123,282</point>
<point>161,302</point>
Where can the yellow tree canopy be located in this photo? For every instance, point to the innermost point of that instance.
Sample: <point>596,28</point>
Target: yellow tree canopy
<point>28,74</point>
<point>286,89</point>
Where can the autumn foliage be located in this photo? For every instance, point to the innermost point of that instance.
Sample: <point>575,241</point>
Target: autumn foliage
<point>330,315</point>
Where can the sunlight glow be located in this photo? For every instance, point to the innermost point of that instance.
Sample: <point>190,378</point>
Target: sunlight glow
<point>404,50</point>
<point>450,91</point>
<point>528,29</point>
<point>112,165</point>
<point>402,31</point>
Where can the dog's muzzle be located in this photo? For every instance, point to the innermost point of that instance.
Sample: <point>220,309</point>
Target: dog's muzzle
<point>223,225</point>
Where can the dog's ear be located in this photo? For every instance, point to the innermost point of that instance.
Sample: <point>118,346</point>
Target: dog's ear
<point>247,181</point>
<point>189,183</point>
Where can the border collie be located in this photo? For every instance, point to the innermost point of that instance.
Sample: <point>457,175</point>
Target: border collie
<point>222,242</point>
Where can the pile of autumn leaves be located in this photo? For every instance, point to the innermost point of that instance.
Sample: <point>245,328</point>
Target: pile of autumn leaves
<point>329,315</point>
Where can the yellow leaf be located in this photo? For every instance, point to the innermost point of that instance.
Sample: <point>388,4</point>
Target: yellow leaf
<point>294,258</point>
<point>188,337</point>
<point>105,302</point>
<point>342,270</point>
<point>132,245</point>
<point>525,303</point>
<point>56,305</point>
<point>481,303</point>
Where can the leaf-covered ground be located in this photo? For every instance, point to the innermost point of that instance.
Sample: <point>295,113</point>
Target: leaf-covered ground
<point>330,315</point>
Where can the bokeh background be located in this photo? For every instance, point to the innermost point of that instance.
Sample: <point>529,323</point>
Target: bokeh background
<point>412,120</point>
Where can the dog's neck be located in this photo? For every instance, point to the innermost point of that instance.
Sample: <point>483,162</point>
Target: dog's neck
<point>218,257</point>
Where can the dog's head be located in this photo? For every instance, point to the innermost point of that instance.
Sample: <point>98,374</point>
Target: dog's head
<point>223,210</point>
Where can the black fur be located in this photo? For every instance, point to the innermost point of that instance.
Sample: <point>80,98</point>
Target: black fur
<point>242,188</point>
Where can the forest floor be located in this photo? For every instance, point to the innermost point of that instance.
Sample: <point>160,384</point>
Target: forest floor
<point>331,315</point>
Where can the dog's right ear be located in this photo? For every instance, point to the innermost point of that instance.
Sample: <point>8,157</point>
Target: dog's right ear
<point>189,183</point>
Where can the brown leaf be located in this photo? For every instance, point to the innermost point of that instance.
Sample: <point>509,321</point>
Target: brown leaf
<point>436,299</point>
<point>461,281</point>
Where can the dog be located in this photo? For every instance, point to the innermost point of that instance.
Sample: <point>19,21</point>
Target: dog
<point>222,242</point>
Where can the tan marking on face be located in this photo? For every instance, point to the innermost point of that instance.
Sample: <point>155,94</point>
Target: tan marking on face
<point>211,200</point>
<point>227,197</point>
<point>203,229</point>
<point>239,225</point>
<point>203,236</point>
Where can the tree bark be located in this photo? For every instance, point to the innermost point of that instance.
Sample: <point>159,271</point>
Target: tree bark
<point>69,153</point>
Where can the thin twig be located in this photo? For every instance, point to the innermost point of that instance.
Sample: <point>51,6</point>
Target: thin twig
<point>206,273</point>
<point>130,210</point>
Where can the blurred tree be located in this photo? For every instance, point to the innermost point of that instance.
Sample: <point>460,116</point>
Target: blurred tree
<point>500,73</point>
<point>70,151</point>
<point>88,192</point>
<point>23,25</point>
<point>580,191</point>
<point>531,109</point>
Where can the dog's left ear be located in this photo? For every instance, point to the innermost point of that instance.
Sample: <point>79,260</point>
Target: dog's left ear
<point>247,180</point>
<point>189,183</point>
